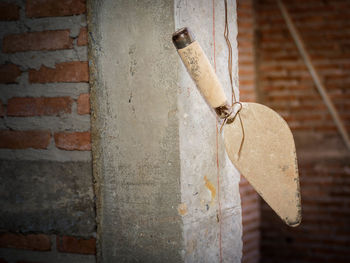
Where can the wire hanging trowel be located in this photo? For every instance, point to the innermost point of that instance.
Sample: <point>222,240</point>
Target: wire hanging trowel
<point>267,157</point>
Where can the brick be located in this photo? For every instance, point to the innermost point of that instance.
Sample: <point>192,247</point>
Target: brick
<point>76,71</point>
<point>249,198</point>
<point>37,242</point>
<point>46,8</point>
<point>24,139</point>
<point>2,110</point>
<point>68,244</point>
<point>84,104</point>
<point>82,38</point>
<point>9,73</point>
<point>9,11</point>
<point>71,141</point>
<point>25,107</point>
<point>283,82</point>
<point>247,95</point>
<point>247,82</point>
<point>45,40</point>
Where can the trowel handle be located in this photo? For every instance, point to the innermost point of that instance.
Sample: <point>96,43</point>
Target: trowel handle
<point>203,74</point>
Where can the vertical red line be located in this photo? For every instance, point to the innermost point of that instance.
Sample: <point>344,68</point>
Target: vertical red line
<point>214,34</point>
<point>217,146</point>
<point>218,182</point>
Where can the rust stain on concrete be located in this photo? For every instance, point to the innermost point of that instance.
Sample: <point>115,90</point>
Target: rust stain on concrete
<point>211,188</point>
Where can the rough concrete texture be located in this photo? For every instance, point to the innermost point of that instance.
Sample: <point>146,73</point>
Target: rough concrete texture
<point>47,196</point>
<point>135,131</point>
<point>154,138</point>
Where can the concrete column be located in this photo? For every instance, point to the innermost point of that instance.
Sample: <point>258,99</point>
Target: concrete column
<point>155,149</point>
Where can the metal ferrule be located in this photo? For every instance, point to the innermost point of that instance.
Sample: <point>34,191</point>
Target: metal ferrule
<point>182,38</point>
<point>224,112</point>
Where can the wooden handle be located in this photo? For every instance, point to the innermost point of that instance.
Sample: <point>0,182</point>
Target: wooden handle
<point>200,69</point>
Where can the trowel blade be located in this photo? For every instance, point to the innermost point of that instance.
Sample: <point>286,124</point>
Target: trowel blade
<point>267,159</point>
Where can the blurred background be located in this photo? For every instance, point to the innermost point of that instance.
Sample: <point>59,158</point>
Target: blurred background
<point>45,129</point>
<point>272,72</point>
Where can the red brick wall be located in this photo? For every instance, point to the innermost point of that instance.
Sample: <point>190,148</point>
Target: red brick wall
<point>324,163</point>
<point>246,69</point>
<point>66,72</point>
<point>51,245</point>
<point>67,104</point>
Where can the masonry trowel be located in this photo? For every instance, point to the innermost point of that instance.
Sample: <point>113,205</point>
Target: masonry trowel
<point>267,157</point>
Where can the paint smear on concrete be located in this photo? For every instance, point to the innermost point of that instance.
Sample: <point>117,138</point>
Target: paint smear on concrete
<point>211,188</point>
<point>182,209</point>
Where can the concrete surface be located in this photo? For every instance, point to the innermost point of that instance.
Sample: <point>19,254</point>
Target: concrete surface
<point>154,138</point>
<point>47,197</point>
<point>135,131</point>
